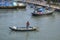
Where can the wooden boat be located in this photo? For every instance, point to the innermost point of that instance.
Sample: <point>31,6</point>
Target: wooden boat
<point>45,12</point>
<point>8,7</point>
<point>58,10</point>
<point>21,5</point>
<point>12,5</point>
<point>22,28</point>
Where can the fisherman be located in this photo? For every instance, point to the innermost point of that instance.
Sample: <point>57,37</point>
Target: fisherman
<point>27,24</point>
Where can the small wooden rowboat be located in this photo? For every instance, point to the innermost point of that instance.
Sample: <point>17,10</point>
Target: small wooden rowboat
<point>22,28</point>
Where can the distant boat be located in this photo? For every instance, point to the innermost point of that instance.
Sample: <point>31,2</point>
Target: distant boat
<point>10,4</point>
<point>58,10</point>
<point>42,11</point>
<point>23,28</point>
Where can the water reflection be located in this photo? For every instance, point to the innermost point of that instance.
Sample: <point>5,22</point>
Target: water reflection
<point>25,35</point>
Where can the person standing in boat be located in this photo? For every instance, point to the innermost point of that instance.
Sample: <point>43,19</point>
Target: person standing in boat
<point>27,24</point>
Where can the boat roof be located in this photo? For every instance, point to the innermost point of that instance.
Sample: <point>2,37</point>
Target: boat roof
<point>6,0</point>
<point>40,9</point>
<point>6,3</point>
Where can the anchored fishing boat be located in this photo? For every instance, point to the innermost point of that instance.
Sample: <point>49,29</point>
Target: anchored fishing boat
<point>14,28</point>
<point>11,4</point>
<point>42,11</point>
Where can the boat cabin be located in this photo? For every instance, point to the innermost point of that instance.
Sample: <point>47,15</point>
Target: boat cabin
<point>7,3</point>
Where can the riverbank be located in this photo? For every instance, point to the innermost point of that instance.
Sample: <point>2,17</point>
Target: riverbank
<point>42,4</point>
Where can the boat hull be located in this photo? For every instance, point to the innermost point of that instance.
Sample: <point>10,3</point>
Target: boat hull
<point>35,14</point>
<point>13,7</point>
<point>58,10</point>
<point>22,29</point>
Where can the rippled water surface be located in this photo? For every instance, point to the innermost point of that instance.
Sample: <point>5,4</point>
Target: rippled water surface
<point>48,26</point>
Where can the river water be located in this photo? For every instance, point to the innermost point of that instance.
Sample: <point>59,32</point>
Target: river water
<point>48,26</point>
